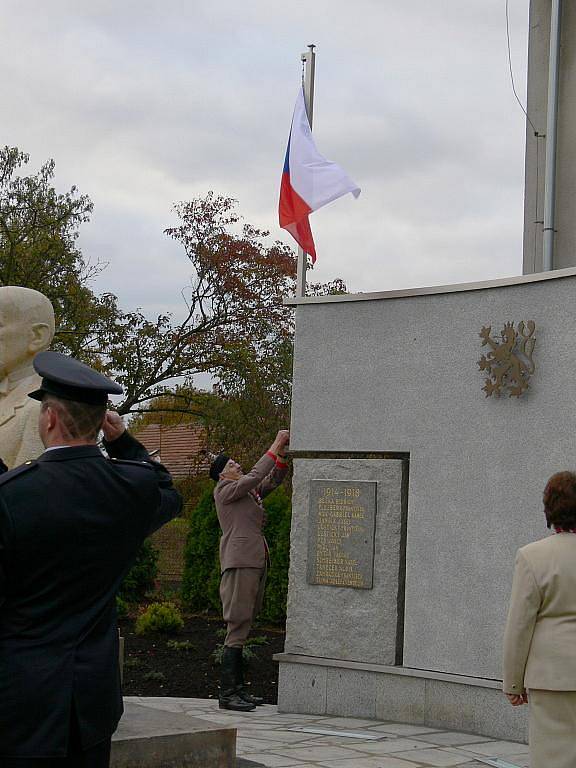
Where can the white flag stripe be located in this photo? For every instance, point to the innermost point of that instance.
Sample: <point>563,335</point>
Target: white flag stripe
<point>318,181</point>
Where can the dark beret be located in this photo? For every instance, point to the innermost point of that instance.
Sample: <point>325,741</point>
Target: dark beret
<point>218,465</point>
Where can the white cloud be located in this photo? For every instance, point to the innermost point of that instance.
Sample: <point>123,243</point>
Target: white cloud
<point>145,104</point>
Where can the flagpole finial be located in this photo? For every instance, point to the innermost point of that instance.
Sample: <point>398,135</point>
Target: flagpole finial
<point>310,52</point>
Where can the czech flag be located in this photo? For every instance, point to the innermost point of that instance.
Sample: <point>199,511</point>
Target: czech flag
<point>309,181</point>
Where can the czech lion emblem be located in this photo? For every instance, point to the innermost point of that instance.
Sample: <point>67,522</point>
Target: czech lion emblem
<point>509,364</point>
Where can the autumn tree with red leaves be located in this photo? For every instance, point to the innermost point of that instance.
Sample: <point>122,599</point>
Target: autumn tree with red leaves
<point>234,307</point>
<point>235,326</point>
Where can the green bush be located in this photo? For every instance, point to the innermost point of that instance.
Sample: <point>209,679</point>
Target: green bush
<point>133,662</point>
<point>121,607</point>
<point>249,651</point>
<point>279,512</point>
<point>201,579</point>
<point>181,645</point>
<point>192,490</point>
<point>154,676</point>
<point>140,579</point>
<point>159,617</point>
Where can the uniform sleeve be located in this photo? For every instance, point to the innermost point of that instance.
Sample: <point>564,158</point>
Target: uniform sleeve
<point>525,603</point>
<point>127,447</point>
<point>235,489</point>
<point>5,529</point>
<point>2,573</point>
<point>273,480</point>
<point>170,504</point>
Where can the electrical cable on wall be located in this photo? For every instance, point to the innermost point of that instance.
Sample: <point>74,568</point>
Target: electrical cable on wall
<point>537,134</point>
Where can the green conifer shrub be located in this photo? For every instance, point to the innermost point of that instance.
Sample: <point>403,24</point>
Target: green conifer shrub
<point>201,580</point>
<point>140,579</point>
<point>279,513</point>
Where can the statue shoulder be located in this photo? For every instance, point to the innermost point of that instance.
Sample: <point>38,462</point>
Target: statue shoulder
<point>17,406</point>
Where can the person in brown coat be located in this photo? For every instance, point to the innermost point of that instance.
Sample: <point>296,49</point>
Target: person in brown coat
<point>243,557</point>
<point>540,637</point>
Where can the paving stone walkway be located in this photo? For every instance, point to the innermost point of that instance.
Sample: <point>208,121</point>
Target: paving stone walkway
<point>269,738</point>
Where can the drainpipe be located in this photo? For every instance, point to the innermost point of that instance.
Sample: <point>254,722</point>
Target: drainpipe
<point>551,136</point>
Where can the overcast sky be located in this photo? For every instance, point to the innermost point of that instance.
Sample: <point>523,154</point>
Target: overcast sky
<point>143,104</point>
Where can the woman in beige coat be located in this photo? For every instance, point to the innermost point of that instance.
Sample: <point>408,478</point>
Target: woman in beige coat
<point>540,637</point>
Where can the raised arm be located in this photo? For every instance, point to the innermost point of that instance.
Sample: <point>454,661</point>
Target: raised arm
<point>258,475</point>
<point>232,490</point>
<point>120,444</point>
<point>274,478</point>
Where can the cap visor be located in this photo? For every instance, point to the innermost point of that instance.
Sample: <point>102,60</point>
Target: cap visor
<point>38,394</point>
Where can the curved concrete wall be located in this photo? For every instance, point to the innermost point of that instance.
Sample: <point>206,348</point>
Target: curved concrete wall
<point>538,54</point>
<point>398,372</point>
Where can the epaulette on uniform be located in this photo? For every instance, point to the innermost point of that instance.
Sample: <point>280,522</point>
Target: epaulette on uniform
<point>132,463</point>
<point>17,471</point>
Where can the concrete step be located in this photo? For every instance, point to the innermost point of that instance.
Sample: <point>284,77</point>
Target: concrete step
<point>152,738</point>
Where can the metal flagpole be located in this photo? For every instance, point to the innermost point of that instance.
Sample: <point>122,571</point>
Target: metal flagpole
<point>551,137</point>
<point>309,61</point>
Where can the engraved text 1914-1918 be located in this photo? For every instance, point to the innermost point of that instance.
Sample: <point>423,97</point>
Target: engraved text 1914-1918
<point>341,533</point>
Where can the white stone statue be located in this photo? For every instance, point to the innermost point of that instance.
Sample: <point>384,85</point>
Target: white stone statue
<point>26,327</point>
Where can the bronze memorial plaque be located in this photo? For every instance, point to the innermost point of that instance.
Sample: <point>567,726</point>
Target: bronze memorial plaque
<point>342,520</point>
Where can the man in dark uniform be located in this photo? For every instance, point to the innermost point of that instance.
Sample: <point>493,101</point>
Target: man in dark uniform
<point>71,525</point>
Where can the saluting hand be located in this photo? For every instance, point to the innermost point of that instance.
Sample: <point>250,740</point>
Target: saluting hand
<point>281,441</point>
<point>113,426</point>
<point>282,438</point>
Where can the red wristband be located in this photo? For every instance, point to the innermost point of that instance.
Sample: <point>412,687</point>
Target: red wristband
<point>281,464</point>
<point>272,455</point>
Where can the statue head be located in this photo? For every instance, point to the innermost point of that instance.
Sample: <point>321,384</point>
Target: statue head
<point>26,327</point>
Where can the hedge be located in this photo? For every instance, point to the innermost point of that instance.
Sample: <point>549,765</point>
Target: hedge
<point>201,578</point>
<point>140,579</point>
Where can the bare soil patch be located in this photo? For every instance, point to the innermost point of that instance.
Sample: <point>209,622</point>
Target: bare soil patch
<point>183,664</point>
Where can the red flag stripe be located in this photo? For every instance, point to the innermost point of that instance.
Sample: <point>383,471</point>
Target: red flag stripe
<point>293,215</point>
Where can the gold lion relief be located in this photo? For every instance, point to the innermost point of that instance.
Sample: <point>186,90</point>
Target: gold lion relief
<point>509,364</point>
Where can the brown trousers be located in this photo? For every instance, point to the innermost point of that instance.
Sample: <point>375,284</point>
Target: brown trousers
<point>242,593</point>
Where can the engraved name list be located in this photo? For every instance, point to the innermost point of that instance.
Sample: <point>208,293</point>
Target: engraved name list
<point>341,533</point>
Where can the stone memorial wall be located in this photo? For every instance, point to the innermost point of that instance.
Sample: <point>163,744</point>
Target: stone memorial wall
<point>424,644</point>
<point>326,538</point>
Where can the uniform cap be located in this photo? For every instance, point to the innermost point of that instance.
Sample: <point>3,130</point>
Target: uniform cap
<point>69,379</point>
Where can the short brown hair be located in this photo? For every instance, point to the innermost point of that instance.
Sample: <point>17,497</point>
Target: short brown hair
<point>560,501</point>
<point>81,421</point>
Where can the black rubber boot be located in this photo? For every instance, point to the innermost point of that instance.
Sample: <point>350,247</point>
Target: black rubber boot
<point>242,689</point>
<point>230,697</point>
<point>256,701</point>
